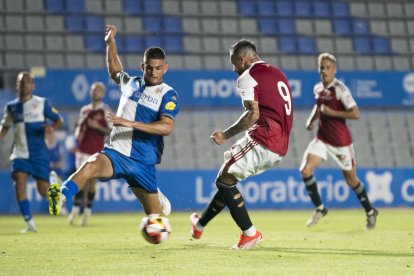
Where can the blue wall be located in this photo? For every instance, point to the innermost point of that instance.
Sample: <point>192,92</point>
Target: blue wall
<point>217,88</point>
<point>275,189</point>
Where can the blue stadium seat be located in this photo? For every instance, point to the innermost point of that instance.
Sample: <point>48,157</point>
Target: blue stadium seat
<point>288,45</point>
<point>152,7</point>
<point>360,27</point>
<point>134,44</point>
<point>172,24</point>
<point>74,23</point>
<point>94,23</point>
<point>152,24</point>
<point>321,9</point>
<point>265,8</point>
<point>381,45</point>
<point>340,9</point>
<point>55,6</point>
<point>75,6</point>
<point>152,40</point>
<point>267,26</point>
<point>286,26</point>
<point>95,43</point>
<point>306,45</point>
<point>303,8</point>
<point>132,6</point>
<point>247,7</point>
<point>173,44</point>
<point>342,26</point>
<point>362,45</point>
<point>284,8</point>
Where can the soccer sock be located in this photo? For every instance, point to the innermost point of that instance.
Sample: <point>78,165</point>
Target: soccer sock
<point>25,209</point>
<point>91,197</point>
<point>312,188</point>
<point>362,196</point>
<point>78,198</point>
<point>214,207</point>
<point>235,203</point>
<point>69,189</point>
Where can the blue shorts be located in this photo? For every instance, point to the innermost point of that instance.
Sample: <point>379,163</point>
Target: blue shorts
<point>135,173</point>
<point>37,167</point>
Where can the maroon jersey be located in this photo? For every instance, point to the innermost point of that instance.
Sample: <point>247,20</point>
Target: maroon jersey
<point>336,95</point>
<point>268,85</point>
<point>91,140</point>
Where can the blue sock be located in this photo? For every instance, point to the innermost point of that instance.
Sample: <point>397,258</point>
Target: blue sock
<point>25,209</point>
<point>69,189</point>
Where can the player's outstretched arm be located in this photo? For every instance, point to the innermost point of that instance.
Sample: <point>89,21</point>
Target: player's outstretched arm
<point>113,63</point>
<point>246,120</point>
<point>311,118</point>
<point>3,131</point>
<point>164,126</point>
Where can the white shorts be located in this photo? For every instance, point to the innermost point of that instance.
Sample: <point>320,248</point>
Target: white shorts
<point>246,158</point>
<point>81,158</point>
<point>343,156</point>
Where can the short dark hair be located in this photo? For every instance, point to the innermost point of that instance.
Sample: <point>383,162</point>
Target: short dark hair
<point>154,53</point>
<point>242,44</point>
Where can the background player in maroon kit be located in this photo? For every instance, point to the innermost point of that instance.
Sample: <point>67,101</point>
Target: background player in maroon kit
<point>267,119</point>
<point>334,104</point>
<point>90,134</point>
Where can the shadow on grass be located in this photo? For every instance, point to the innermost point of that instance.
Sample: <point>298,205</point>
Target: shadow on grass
<point>335,251</point>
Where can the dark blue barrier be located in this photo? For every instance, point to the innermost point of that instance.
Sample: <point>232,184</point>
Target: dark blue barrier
<point>275,189</point>
<point>70,88</point>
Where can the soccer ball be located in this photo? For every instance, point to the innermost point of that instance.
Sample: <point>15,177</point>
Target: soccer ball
<point>155,228</point>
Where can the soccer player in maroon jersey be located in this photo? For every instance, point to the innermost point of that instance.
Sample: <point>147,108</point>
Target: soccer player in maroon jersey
<point>334,104</point>
<point>90,134</point>
<point>267,120</point>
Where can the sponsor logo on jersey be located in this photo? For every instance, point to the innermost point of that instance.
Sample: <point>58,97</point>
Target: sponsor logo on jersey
<point>54,110</point>
<point>170,106</point>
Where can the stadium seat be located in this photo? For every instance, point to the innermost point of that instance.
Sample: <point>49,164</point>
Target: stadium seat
<point>94,23</point>
<point>74,23</point>
<point>94,6</point>
<point>94,42</point>
<point>152,40</point>
<point>340,9</point>
<point>360,27</point>
<point>247,8</point>
<point>381,45</point>
<point>133,6</point>
<point>306,45</point>
<point>172,24</point>
<point>267,26</point>
<point>152,24</point>
<point>288,45</point>
<point>362,45</point>
<point>54,6</point>
<point>173,44</point>
<point>116,7</point>
<point>152,7</point>
<point>54,23</point>
<point>321,9</point>
<point>286,26</point>
<point>209,8</point>
<point>134,44</point>
<point>75,6</point>
<point>265,8</point>
<point>171,7</point>
<point>303,8</point>
<point>284,8</point>
<point>342,26</point>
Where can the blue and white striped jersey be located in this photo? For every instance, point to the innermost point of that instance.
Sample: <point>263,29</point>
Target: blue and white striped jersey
<point>145,104</point>
<point>28,119</point>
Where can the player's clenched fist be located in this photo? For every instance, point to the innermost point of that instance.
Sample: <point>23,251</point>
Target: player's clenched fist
<point>218,137</point>
<point>110,33</point>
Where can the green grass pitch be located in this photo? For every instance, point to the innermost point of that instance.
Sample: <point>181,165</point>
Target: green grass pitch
<point>112,245</point>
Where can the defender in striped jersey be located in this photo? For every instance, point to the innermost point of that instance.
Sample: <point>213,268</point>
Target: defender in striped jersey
<point>146,112</point>
<point>334,104</point>
<point>267,120</point>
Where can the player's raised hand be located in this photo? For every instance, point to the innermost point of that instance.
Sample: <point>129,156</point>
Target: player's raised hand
<point>218,137</point>
<point>110,33</point>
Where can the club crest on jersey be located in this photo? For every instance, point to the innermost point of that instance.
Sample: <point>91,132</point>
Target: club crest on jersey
<point>170,106</point>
